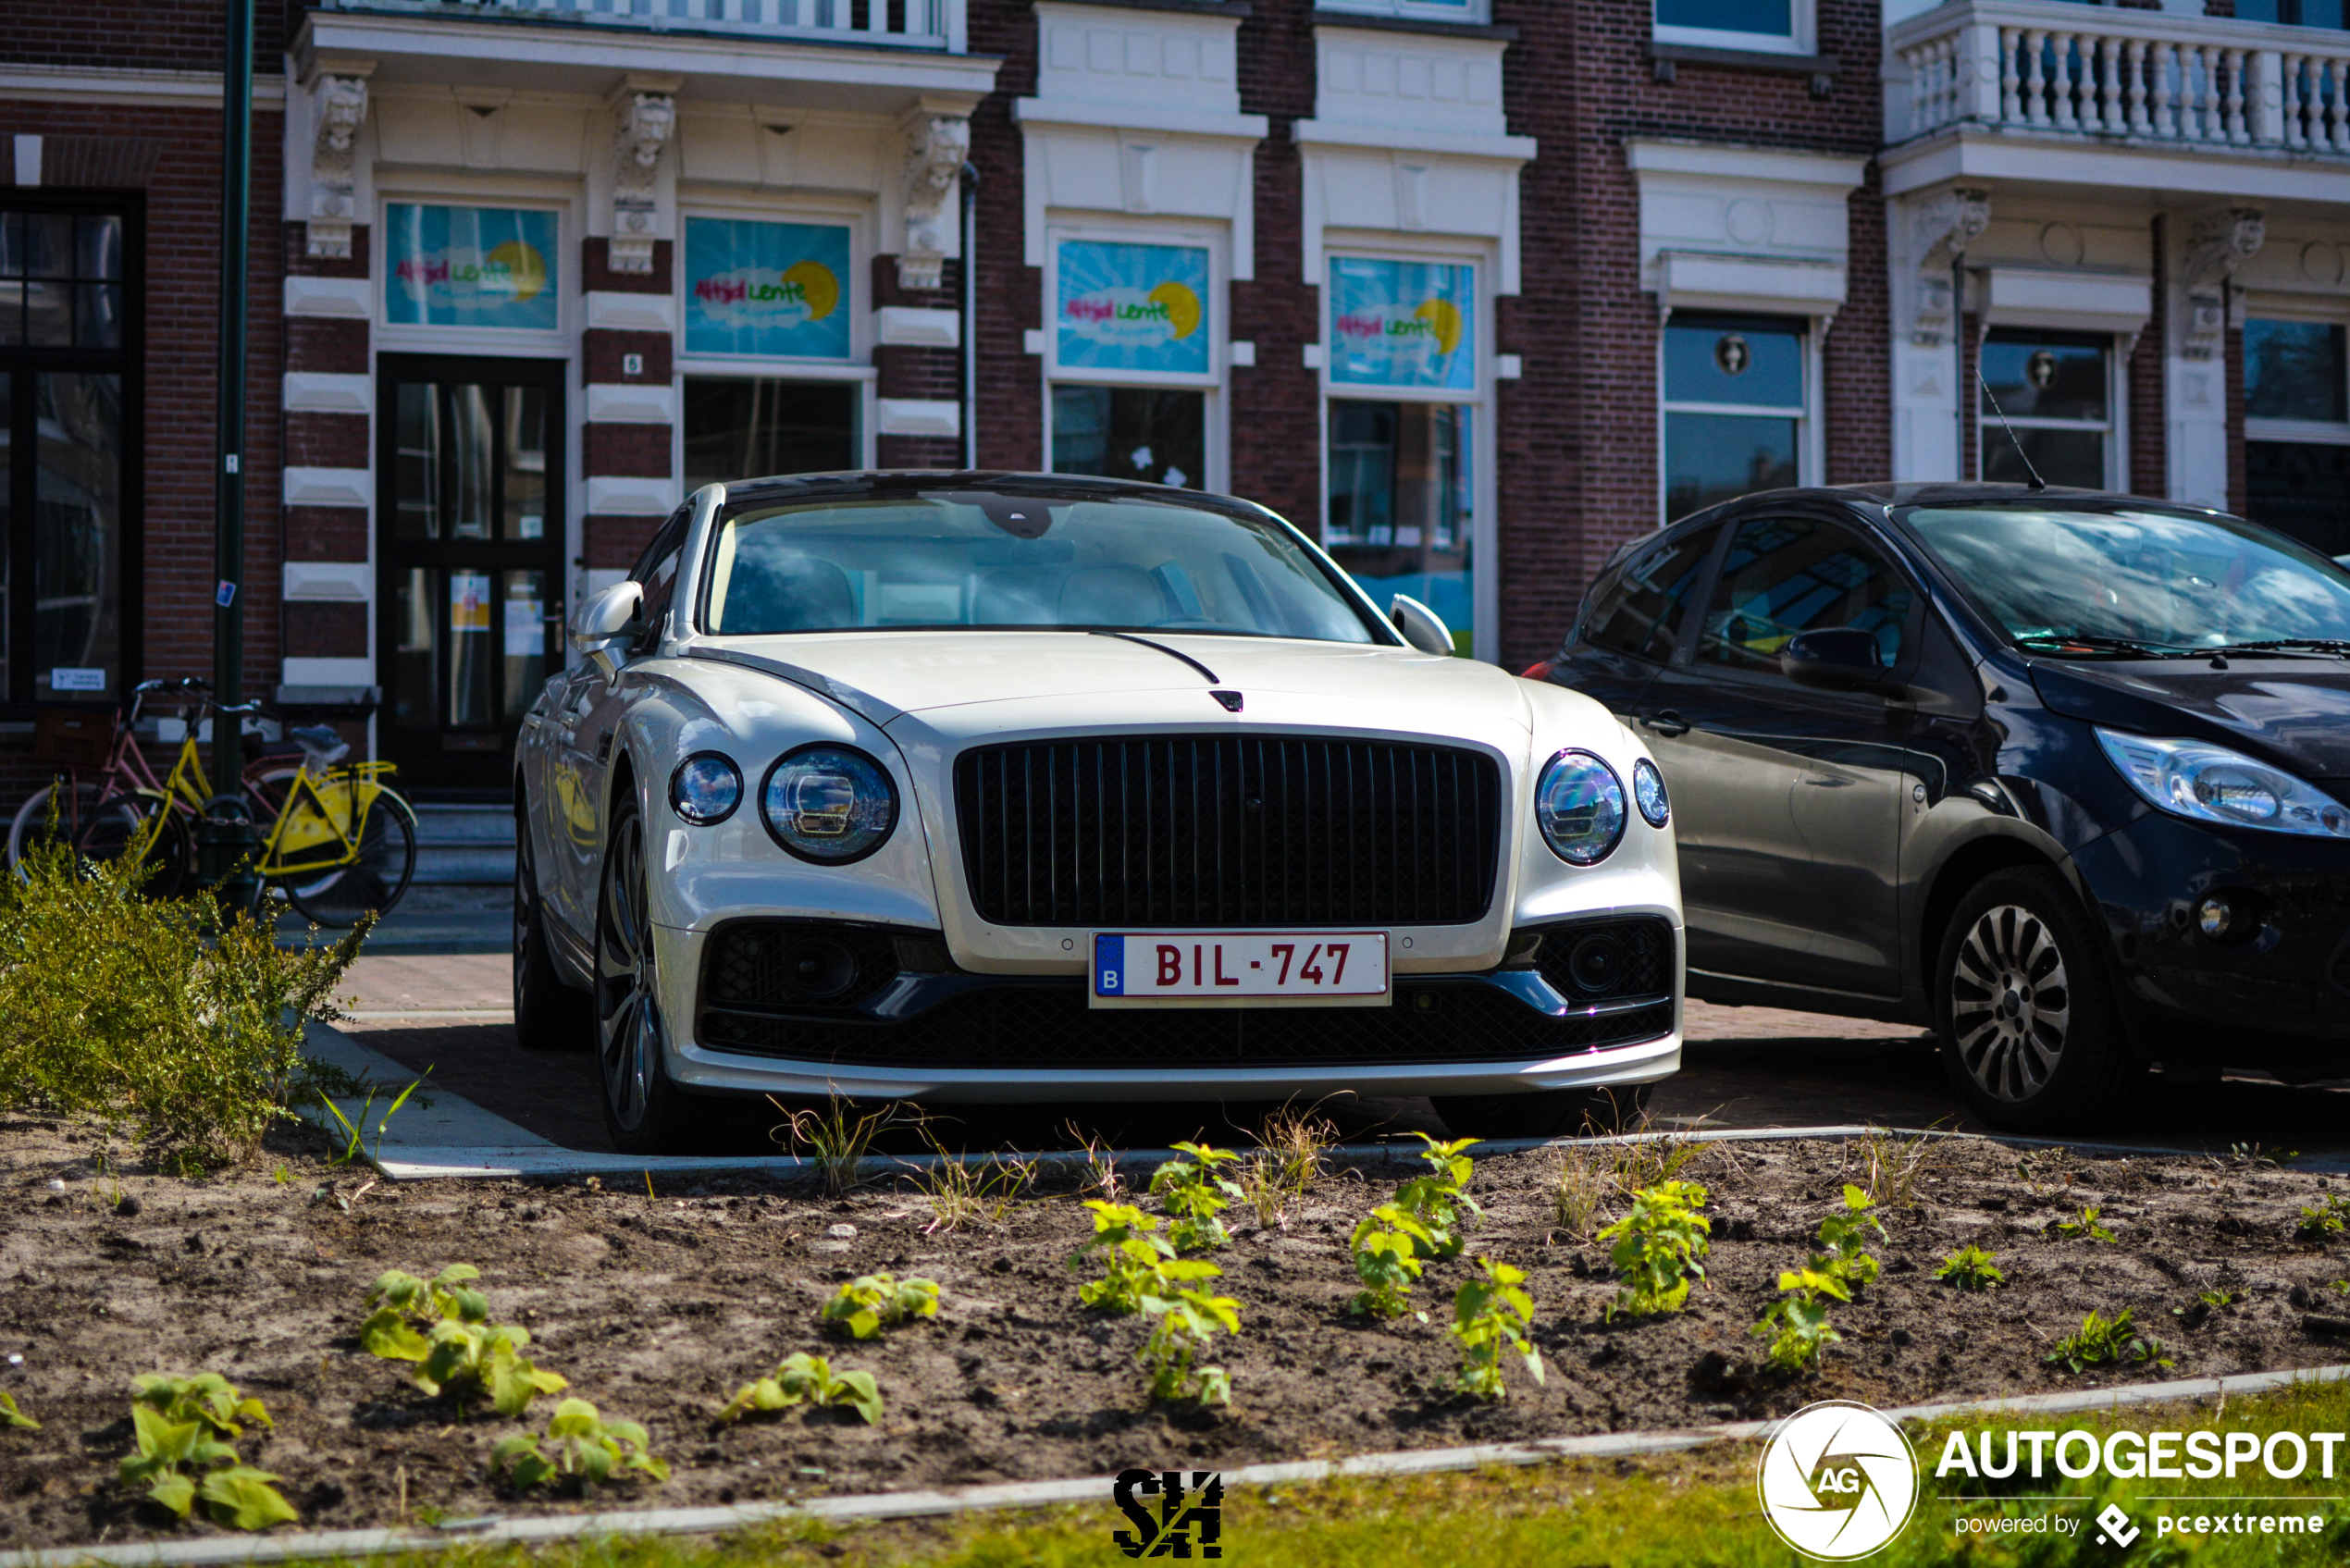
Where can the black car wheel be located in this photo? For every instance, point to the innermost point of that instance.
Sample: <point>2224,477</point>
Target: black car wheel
<point>548,1015</point>
<point>2030,1033</point>
<point>642,1109</point>
<point>1560,1113</point>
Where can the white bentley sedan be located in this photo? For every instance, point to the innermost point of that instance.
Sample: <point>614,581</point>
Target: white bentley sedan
<point>996,788</point>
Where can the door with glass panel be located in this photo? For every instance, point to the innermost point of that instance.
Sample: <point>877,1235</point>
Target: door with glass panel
<point>470,546</point>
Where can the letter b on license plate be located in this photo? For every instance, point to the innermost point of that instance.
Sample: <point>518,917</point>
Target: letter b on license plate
<point>1236,968</point>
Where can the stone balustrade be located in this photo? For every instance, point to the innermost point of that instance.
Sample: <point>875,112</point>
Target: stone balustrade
<point>920,24</point>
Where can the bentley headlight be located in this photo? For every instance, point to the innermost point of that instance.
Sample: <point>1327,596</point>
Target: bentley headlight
<point>828,804</point>
<point>2210,784</point>
<point>706,788</point>
<point>1648,790</point>
<point>1579,803</point>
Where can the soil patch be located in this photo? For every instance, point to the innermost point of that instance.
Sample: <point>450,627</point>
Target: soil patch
<point>658,1308</point>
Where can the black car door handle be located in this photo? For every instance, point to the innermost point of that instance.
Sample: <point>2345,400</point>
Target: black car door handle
<point>1665,722</point>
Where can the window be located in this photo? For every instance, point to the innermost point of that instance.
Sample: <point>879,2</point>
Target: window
<point>2296,404</point>
<point>1776,26</point>
<point>657,571</point>
<point>1734,408</point>
<point>2054,391</point>
<point>754,427</point>
<point>2296,13</point>
<point>69,415</point>
<point>1784,576</point>
<point>1638,611</point>
<point>1401,503</point>
<point>1152,435</point>
<point>1427,11</point>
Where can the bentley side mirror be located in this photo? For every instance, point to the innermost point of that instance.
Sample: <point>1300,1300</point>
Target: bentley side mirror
<point>1834,658</point>
<point>1421,626</point>
<point>606,615</point>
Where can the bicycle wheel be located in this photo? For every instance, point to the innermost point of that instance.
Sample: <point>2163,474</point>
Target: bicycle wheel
<point>75,801</point>
<point>129,822</point>
<point>372,882</point>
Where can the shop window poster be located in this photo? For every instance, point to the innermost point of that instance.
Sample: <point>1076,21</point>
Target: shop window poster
<point>1134,308</point>
<point>775,289</point>
<point>1403,323</point>
<point>470,267</point>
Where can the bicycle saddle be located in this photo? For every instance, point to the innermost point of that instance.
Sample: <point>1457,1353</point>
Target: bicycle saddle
<point>320,744</point>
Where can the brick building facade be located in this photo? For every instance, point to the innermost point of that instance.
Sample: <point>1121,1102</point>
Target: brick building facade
<point>1472,290</point>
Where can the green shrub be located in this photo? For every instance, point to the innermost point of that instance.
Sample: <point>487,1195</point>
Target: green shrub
<point>580,1448</point>
<point>186,1430</point>
<point>153,1016</point>
<point>1187,1318</point>
<point>2104,1342</point>
<point>1134,1250</point>
<point>1970,1268</point>
<point>806,1379</point>
<point>1844,1236</point>
<point>1386,1243</point>
<point>1657,1246</point>
<point>444,1327</point>
<point>1195,1195</point>
<point>870,1303</point>
<point>1797,1322</point>
<point>2322,1219</point>
<point>1489,1315</point>
<point>1440,1200</point>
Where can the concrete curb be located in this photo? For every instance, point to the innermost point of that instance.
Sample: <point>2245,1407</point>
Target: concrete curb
<point>1090,1489</point>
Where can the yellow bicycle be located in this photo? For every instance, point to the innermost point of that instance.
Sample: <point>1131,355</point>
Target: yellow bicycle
<point>341,842</point>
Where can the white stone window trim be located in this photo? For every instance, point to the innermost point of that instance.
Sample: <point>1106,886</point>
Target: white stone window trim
<point>2114,426</point>
<point>1485,532</point>
<point>1798,39</point>
<point>1810,414</point>
<point>560,341</point>
<point>857,216</point>
<point>1477,13</point>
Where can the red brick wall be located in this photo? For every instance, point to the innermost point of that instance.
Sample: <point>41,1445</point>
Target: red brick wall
<point>1276,414</point>
<point>2149,471</point>
<point>1011,381</point>
<point>2236,487</point>
<point>902,371</point>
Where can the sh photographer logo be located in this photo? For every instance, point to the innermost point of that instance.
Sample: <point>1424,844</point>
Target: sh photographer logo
<point>1837,1481</point>
<point>1183,1529</point>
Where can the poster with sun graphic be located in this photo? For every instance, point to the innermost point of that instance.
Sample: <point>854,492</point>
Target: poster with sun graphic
<point>1134,308</point>
<point>1402,325</point>
<point>470,267</point>
<point>776,289</point>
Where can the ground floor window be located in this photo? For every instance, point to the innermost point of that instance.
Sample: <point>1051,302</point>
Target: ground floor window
<point>1403,500</point>
<point>1152,435</point>
<point>2301,489</point>
<point>69,399</point>
<point>2054,391</point>
<point>742,428</point>
<point>2297,405</point>
<point>1735,407</point>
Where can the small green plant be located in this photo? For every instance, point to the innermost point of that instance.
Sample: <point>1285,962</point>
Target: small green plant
<point>2087,1227</point>
<point>1797,1322</point>
<point>1578,1186</point>
<point>1194,1195</point>
<point>2324,1219</point>
<point>580,1449</point>
<point>1649,1157</point>
<point>1386,1245</point>
<point>443,1326</point>
<point>870,1303</point>
<point>2216,1299</point>
<point>1492,1313</point>
<point>1970,1268</point>
<point>1657,1246</point>
<point>1894,1166</point>
<point>2198,1311</point>
<point>837,1136</point>
<point>11,1416</point>
<point>355,1132</point>
<point>1844,1237</point>
<point>810,1380</point>
<point>1186,1319</point>
<point>1134,1252</point>
<point>1288,1162</point>
<point>962,1193</point>
<point>1440,1199</point>
<point>2104,1342</point>
<point>186,1430</point>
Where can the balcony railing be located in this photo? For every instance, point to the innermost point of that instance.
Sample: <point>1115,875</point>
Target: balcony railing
<point>2143,75</point>
<point>908,24</point>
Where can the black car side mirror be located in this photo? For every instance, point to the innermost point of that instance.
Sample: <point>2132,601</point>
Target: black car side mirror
<point>1834,658</point>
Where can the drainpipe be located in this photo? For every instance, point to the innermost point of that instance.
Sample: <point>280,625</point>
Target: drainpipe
<point>971,316</point>
<point>231,842</point>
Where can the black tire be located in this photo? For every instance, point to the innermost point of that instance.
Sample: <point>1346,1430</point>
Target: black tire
<point>549,1015</point>
<point>103,832</point>
<point>1557,1113</point>
<point>2031,1037</point>
<point>644,1112</point>
<point>370,885</point>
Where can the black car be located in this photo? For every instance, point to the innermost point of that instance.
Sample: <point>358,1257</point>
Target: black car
<point>2057,774</point>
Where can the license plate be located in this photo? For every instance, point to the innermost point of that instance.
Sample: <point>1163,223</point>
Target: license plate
<point>1255,967</point>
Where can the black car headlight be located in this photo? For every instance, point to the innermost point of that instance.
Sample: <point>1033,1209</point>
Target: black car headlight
<point>706,788</point>
<point>1580,804</point>
<point>829,804</point>
<point>2210,784</point>
<point>1647,791</point>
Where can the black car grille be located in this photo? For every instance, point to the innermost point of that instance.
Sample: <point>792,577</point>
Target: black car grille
<point>1050,1025</point>
<point>1228,829</point>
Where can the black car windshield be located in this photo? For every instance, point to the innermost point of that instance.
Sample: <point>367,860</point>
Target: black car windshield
<point>929,561</point>
<point>2113,581</point>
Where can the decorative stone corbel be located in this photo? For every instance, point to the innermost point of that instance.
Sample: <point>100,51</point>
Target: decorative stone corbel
<point>339,97</point>
<point>1945,225</point>
<point>2218,243</point>
<point>937,146</point>
<point>644,112</point>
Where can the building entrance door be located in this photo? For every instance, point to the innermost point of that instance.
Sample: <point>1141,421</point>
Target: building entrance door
<point>470,559</point>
